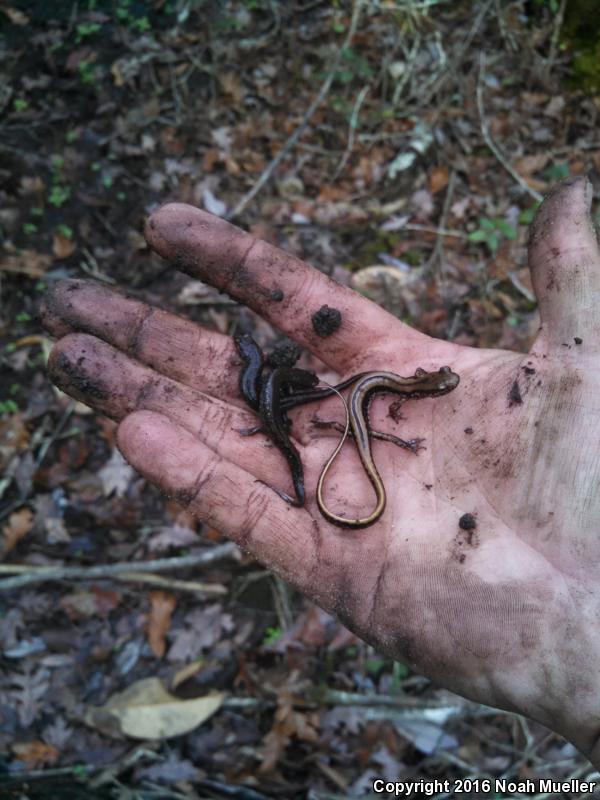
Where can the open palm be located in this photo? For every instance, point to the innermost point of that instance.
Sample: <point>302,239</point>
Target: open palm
<point>483,570</point>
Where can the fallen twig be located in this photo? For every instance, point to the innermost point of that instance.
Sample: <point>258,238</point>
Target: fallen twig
<point>436,253</point>
<point>174,584</point>
<point>558,21</point>
<point>30,574</point>
<point>490,142</point>
<point>351,132</point>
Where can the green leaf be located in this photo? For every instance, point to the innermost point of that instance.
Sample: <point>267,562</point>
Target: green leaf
<point>399,673</point>
<point>477,236</point>
<point>506,228</point>
<point>556,172</point>
<point>374,665</point>
<point>65,231</point>
<point>272,635</point>
<point>526,217</point>
<point>59,195</point>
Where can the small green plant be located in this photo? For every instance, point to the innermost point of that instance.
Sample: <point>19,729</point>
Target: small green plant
<point>29,228</point>
<point>556,172</point>
<point>80,770</point>
<point>399,673</point>
<point>375,665</point>
<point>125,15</point>
<point>121,197</point>
<point>23,316</point>
<point>36,211</point>
<point>272,635</point>
<point>490,232</point>
<point>553,5</point>
<point>8,407</point>
<point>72,135</point>
<point>59,195</point>
<point>526,216</point>
<point>142,24</point>
<point>40,286</point>
<point>10,347</point>
<point>353,66</point>
<point>122,11</point>
<point>96,166</point>
<point>85,29</point>
<point>87,72</point>
<point>20,105</point>
<point>65,231</point>
<point>107,181</point>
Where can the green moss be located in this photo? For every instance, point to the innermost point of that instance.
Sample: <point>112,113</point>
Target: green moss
<point>581,33</point>
<point>586,69</point>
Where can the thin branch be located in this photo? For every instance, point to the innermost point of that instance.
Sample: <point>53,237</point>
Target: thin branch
<point>29,575</point>
<point>558,21</point>
<point>268,172</point>
<point>174,584</point>
<point>351,132</point>
<point>490,142</point>
<point>453,234</point>
<point>436,253</point>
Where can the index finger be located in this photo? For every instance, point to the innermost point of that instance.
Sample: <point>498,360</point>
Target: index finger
<point>332,321</point>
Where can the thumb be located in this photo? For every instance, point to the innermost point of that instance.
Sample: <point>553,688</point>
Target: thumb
<point>565,267</point>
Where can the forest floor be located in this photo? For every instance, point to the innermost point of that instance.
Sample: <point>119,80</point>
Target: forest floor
<point>400,147</point>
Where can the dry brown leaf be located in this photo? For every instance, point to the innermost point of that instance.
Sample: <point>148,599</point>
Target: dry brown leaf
<point>287,722</point>
<point>32,185</point>
<point>62,246</point>
<point>329,193</point>
<point>162,605</point>
<point>19,524</point>
<point>96,602</point>
<point>183,675</point>
<point>16,16</point>
<point>35,754</point>
<point>211,157</point>
<point>231,83</point>
<point>14,438</point>
<point>106,599</point>
<point>175,535</point>
<point>438,179</point>
<point>145,710</point>
<point>116,475</point>
<point>527,165</point>
<point>115,71</point>
<point>27,262</point>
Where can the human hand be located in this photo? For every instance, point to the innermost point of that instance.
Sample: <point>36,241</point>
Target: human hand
<point>501,605</point>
